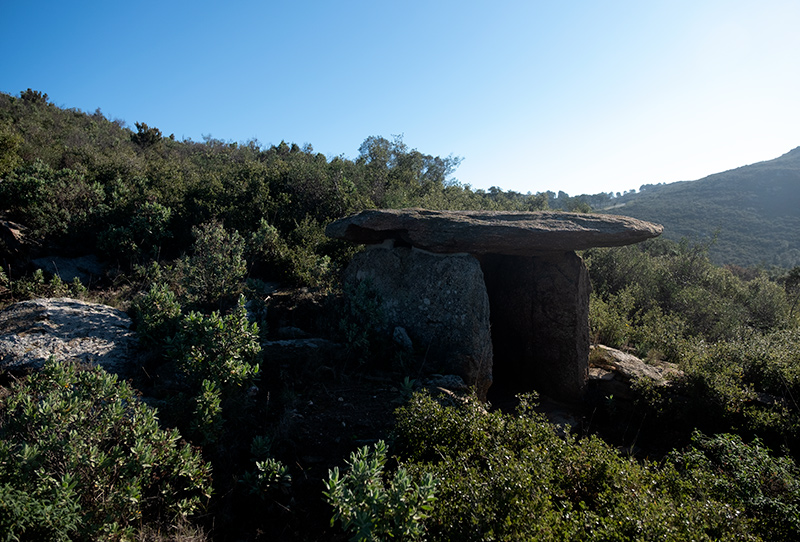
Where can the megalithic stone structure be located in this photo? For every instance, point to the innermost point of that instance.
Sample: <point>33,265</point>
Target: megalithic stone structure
<point>491,295</point>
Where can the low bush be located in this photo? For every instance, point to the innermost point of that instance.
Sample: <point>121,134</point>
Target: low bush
<point>679,284</point>
<point>156,314</point>
<point>749,384</point>
<point>140,237</point>
<point>213,274</point>
<point>764,488</point>
<point>218,355</point>
<point>376,509</point>
<point>297,260</point>
<point>81,459</point>
<point>516,477</point>
<point>220,348</point>
<point>37,286</point>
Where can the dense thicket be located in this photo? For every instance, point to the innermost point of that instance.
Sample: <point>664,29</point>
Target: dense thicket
<point>511,476</point>
<point>733,332</point>
<point>84,181</point>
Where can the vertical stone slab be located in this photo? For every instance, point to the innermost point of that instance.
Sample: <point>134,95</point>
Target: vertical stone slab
<point>540,322</point>
<point>440,300</point>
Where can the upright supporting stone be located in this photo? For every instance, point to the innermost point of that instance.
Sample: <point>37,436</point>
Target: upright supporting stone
<point>440,300</point>
<point>539,314</point>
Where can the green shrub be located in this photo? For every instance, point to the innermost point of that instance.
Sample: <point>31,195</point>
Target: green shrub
<point>514,477</point>
<point>660,296</point>
<point>709,315</point>
<point>47,509</point>
<point>10,143</point>
<point>37,286</point>
<point>659,335</point>
<point>736,340</point>
<point>157,314</point>
<point>219,356</point>
<point>221,349</point>
<point>726,379</point>
<point>791,285</point>
<point>297,260</point>
<point>374,509</point>
<point>81,457</point>
<point>213,274</point>
<point>270,476</point>
<point>767,303</point>
<point>266,244</point>
<point>207,420</point>
<point>609,321</point>
<point>51,203</point>
<point>146,229</point>
<point>745,476</point>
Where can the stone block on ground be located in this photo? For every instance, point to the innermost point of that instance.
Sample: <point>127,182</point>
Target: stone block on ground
<point>613,371</point>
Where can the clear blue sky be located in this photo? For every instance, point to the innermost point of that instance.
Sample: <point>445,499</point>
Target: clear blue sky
<point>580,96</point>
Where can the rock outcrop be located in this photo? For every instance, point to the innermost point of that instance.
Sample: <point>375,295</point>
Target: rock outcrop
<point>32,331</point>
<point>613,371</point>
<point>536,285</point>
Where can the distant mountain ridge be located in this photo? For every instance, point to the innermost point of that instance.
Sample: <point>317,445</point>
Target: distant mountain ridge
<point>752,213</point>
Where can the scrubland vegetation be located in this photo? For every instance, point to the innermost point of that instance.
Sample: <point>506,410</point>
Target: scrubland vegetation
<point>203,445</point>
<point>733,332</point>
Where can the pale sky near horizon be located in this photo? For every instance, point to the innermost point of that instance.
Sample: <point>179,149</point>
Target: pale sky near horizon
<point>581,96</point>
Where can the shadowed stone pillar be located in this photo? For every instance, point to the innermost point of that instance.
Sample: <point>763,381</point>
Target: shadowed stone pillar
<point>540,322</point>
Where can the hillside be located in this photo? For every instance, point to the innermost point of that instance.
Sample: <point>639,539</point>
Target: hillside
<point>259,371</point>
<point>753,211</point>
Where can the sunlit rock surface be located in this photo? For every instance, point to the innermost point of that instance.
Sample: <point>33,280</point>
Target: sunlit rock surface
<point>32,331</point>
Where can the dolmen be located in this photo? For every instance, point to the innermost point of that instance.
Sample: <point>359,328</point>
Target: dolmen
<point>490,296</point>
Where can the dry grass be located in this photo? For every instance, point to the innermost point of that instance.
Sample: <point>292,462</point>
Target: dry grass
<point>183,531</point>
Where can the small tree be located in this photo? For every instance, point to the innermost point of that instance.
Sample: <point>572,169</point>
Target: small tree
<point>145,136</point>
<point>214,272</point>
<point>33,96</point>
